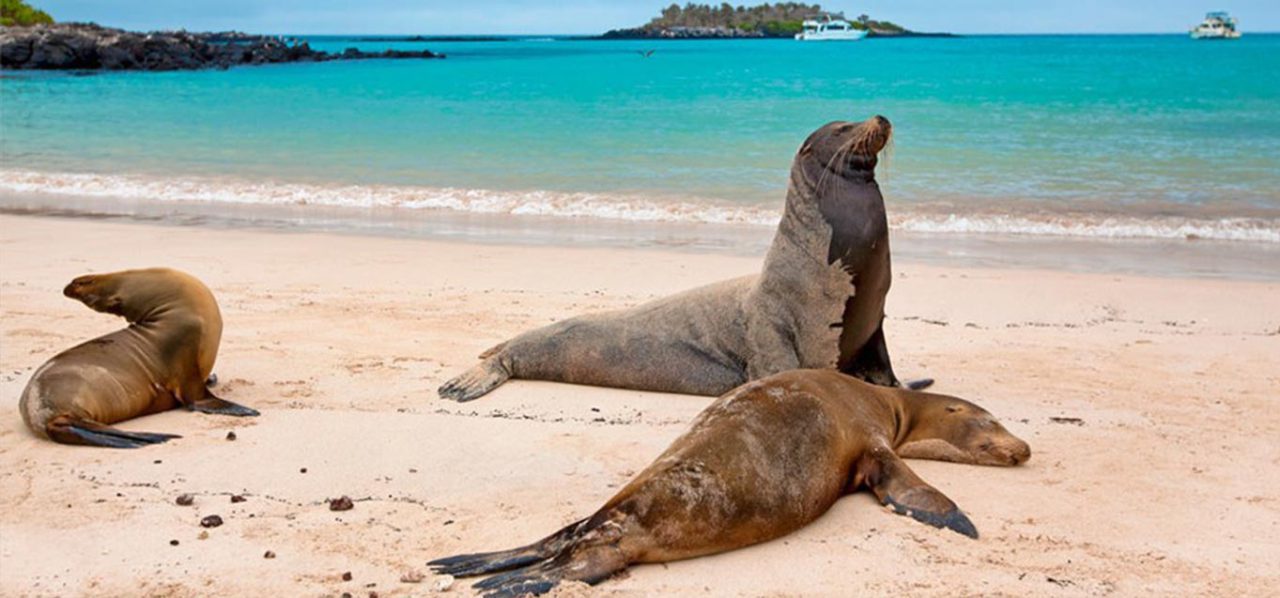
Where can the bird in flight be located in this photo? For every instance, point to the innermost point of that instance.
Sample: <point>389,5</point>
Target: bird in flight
<point>645,53</point>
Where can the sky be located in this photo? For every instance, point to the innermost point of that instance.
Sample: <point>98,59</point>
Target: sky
<point>597,16</point>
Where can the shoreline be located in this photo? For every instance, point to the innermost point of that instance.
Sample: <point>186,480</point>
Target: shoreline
<point>1171,258</point>
<point>340,340</point>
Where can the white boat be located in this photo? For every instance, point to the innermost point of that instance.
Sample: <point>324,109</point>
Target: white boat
<point>1216,25</point>
<point>829,29</point>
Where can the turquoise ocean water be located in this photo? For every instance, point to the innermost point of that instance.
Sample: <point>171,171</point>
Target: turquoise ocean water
<point>1092,136</point>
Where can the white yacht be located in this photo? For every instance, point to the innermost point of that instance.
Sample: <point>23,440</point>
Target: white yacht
<point>1216,25</point>
<point>829,29</point>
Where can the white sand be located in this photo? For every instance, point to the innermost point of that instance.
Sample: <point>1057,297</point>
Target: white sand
<point>1169,487</point>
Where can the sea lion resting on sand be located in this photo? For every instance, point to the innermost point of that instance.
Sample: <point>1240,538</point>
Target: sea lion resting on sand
<point>762,461</point>
<point>819,302</point>
<point>160,361</point>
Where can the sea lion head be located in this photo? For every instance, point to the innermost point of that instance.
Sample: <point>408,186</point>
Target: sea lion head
<point>951,429</point>
<point>132,294</point>
<point>100,292</point>
<point>846,150</point>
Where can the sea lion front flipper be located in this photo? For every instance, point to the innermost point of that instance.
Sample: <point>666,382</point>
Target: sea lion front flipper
<point>898,487</point>
<point>212,404</point>
<point>919,384</point>
<point>69,430</point>
<point>475,382</point>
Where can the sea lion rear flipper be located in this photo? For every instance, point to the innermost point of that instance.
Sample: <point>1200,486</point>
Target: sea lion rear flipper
<point>590,564</point>
<point>212,404</point>
<point>900,488</point>
<point>68,430</point>
<point>466,565</point>
<point>475,382</point>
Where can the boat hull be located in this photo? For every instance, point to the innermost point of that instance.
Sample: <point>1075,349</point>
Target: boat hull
<point>832,36</point>
<point>1200,35</point>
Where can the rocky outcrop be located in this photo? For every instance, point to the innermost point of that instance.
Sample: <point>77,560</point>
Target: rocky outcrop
<point>92,47</point>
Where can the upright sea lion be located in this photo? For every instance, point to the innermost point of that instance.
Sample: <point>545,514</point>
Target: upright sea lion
<point>819,302</point>
<point>762,461</point>
<point>161,360</point>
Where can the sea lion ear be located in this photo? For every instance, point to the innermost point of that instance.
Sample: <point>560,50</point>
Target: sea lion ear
<point>902,490</point>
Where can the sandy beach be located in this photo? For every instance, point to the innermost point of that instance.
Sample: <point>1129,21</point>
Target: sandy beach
<point>1149,403</point>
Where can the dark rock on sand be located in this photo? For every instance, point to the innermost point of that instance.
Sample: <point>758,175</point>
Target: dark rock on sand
<point>211,521</point>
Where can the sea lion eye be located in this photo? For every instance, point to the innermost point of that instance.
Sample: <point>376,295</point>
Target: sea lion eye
<point>953,408</point>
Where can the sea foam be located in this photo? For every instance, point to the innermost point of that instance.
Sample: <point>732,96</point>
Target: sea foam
<point>628,207</point>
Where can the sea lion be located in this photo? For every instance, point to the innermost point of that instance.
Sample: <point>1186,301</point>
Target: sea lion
<point>161,360</point>
<point>762,461</point>
<point>818,303</point>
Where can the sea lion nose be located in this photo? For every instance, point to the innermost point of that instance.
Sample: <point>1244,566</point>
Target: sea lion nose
<point>1020,453</point>
<point>881,121</point>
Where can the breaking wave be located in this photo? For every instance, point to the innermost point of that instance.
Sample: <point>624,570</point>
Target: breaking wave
<point>636,208</point>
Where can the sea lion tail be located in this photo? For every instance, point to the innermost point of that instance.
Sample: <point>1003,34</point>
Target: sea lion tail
<point>477,381</point>
<point>71,430</point>
<point>466,565</point>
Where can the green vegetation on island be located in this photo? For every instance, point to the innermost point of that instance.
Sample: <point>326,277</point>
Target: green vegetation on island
<point>782,19</point>
<point>20,14</point>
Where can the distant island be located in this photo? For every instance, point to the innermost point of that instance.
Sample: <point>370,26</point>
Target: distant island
<point>89,47</point>
<point>30,40</point>
<point>781,20</point>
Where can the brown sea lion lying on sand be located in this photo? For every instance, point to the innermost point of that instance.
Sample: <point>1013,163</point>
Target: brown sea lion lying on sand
<point>160,361</point>
<point>762,461</point>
